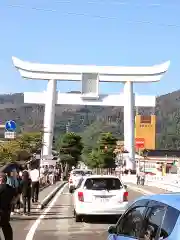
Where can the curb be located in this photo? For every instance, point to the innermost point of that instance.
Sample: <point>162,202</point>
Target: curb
<point>45,202</point>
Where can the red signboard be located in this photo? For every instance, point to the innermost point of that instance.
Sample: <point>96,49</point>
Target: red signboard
<point>139,143</point>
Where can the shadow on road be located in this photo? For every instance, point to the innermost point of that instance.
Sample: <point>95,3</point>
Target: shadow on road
<point>34,216</point>
<point>101,219</point>
<point>56,216</point>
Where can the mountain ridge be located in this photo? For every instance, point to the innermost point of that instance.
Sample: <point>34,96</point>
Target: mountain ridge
<point>29,117</point>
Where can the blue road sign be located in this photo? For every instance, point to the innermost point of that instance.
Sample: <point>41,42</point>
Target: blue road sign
<point>10,126</point>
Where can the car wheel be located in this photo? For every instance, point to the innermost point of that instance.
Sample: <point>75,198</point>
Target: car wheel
<point>78,218</point>
<point>70,190</point>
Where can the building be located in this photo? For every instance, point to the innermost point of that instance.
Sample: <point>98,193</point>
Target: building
<point>145,132</point>
<point>169,159</point>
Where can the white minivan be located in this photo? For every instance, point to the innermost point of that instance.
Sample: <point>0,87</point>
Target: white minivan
<point>99,195</point>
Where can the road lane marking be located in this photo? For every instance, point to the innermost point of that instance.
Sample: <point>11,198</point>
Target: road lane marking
<point>35,225</point>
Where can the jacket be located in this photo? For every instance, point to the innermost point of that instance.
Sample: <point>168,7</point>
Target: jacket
<point>13,182</point>
<point>25,187</point>
<point>7,195</point>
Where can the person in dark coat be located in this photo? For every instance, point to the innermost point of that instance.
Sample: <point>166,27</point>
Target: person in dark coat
<point>12,180</point>
<point>8,196</point>
<point>18,203</point>
<point>26,192</point>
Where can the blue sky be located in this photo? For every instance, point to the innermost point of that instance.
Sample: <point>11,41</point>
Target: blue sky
<point>101,32</point>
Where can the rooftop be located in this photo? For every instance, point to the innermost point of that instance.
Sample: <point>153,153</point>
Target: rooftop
<point>162,153</point>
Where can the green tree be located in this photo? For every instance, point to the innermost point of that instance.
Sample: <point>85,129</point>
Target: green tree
<point>66,161</point>
<point>70,148</point>
<point>8,151</point>
<point>103,155</point>
<point>20,148</point>
<point>93,132</point>
<point>95,159</point>
<point>30,142</point>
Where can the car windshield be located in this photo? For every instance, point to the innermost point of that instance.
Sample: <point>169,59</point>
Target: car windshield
<point>78,173</point>
<point>88,173</point>
<point>103,184</point>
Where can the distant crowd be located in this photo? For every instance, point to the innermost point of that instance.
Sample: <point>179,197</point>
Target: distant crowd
<point>27,184</point>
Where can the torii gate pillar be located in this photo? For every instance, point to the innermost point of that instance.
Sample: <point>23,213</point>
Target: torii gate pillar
<point>90,76</point>
<point>129,103</point>
<point>49,115</point>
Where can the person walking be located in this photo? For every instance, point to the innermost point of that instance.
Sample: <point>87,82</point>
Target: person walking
<point>13,182</point>
<point>51,175</point>
<point>26,192</point>
<point>8,196</point>
<point>34,176</point>
<point>18,203</point>
<point>138,177</point>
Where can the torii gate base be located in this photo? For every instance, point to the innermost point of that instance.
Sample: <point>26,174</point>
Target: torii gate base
<point>90,76</point>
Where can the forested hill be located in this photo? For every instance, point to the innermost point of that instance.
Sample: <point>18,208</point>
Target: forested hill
<point>91,120</point>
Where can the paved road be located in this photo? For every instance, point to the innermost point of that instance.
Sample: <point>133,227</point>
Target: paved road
<point>56,222</point>
<point>21,224</point>
<point>59,223</point>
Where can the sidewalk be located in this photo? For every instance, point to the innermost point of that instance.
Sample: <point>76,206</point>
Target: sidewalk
<point>47,190</point>
<point>166,183</point>
<point>146,190</point>
<point>36,207</point>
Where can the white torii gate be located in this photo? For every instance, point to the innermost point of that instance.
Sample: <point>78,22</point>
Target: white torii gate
<point>90,76</point>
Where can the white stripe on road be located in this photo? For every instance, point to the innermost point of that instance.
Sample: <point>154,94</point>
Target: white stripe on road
<point>34,227</point>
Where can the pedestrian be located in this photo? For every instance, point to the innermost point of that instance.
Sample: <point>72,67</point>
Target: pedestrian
<point>8,196</point>
<point>51,175</point>
<point>143,178</point>
<point>26,192</point>
<point>18,203</point>
<point>34,176</point>
<point>46,174</point>
<point>13,182</point>
<point>56,174</point>
<point>138,178</point>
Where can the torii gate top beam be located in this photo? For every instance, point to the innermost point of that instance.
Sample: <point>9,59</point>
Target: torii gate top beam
<point>75,72</point>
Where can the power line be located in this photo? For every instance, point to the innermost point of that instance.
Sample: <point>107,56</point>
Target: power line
<point>93,16</point>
